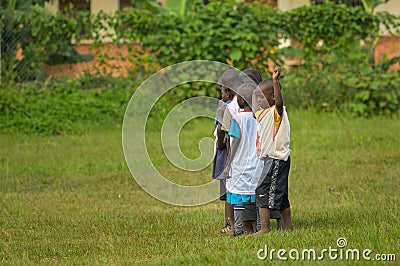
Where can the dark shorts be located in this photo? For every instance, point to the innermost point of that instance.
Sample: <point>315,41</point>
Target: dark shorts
<point>272,191</point>
<point>219,163</point>
<point>250,213</point>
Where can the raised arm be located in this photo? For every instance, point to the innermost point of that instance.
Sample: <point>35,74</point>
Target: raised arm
<point>277,91</point>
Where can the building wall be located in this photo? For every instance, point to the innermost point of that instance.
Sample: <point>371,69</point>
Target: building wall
<point>393,7</point>
<point>108,6</point>
<point>95,6</point>
<point>52,6</point>
<point>286,5</point>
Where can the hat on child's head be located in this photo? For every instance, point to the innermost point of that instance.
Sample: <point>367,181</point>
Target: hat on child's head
<point>250,75</point>
<point>230,78</point>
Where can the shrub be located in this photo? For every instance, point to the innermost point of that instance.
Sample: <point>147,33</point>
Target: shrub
<point>64,106</point>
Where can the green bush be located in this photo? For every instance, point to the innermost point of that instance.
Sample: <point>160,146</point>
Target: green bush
<point>337,73</point>
<point>64,106</point>
<point>345,82</point>
<point>41,37</point>
<point>229,31</point>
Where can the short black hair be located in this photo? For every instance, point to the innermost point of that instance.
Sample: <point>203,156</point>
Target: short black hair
<point>266,84</point>
<point>253,74</point>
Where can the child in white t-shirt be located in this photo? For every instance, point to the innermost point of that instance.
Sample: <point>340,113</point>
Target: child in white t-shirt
<point>243,166</point>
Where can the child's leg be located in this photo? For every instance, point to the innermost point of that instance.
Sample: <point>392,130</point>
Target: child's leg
<point>254,226</point>
<point>265,224</point>
<point>248,227</point>
<point>258,224</point>
<point>238,214</point>
<point>228,210</point>
<point>250,217</point>
<point>275,214</point>
<point>279,224</point>
<point>287,219</point>
<point>229,218</point>
<point>262,198</point>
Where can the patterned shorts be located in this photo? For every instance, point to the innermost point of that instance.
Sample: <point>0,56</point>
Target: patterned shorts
<point>272,190</point>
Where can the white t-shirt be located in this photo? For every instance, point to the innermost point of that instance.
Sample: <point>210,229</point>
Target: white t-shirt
<point>273,134</point>
<point>246,168</point>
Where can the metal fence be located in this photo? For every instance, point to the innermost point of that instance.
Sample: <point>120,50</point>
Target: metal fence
<point>31,40</point>
<point>19,58</point>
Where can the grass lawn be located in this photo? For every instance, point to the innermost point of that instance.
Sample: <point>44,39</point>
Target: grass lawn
<point>71,199</point>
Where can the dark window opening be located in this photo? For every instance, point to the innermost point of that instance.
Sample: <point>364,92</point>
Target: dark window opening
<point>349,3</point>
<point>125,3</point>
<point>77,5</point>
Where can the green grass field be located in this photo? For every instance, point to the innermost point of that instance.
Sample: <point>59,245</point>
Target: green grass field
<point>71,199</point>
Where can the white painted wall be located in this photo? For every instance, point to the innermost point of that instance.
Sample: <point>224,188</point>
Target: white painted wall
<point>393,7</point>
<point>52,6</point>
<point>107,6</point>
<point>285,5</point>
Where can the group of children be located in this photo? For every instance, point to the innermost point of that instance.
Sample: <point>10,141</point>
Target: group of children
<point>252,155</point>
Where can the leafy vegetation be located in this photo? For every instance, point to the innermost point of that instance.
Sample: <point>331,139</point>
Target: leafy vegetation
<point>333,43</point>
<point>31,37</point>
<point>65,106</point>
<point>220,31</point>
<point>336,72</point>
<point>352,87</point>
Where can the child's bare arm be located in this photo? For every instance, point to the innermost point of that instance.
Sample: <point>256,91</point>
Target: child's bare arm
<point>254,106</point>
<point>232,151</point>
<point>220,137</point>
<point>277,91</point>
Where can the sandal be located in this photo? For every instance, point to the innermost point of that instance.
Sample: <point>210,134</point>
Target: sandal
<point>225,230</point>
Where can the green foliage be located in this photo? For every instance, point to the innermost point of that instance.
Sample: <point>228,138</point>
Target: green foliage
<point>336,43</point>
<point>21,4</point>
<point>322,29</point>
<point>353,88</point>
<point>64,106</point>
<point>227,32</point>
<point>40,38</point>
<point>220,31</point>
<point>376,92</point>
<point>370,5</point>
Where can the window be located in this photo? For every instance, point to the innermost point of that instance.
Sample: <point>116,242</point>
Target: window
<point>125,3</point>
<point>78,5</point>
<point>348,3</point>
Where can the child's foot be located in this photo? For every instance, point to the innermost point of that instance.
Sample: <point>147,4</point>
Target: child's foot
<point>238,233</point>
<point>262,232</point>
<point>224,230</point>
<point>279,224</point>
